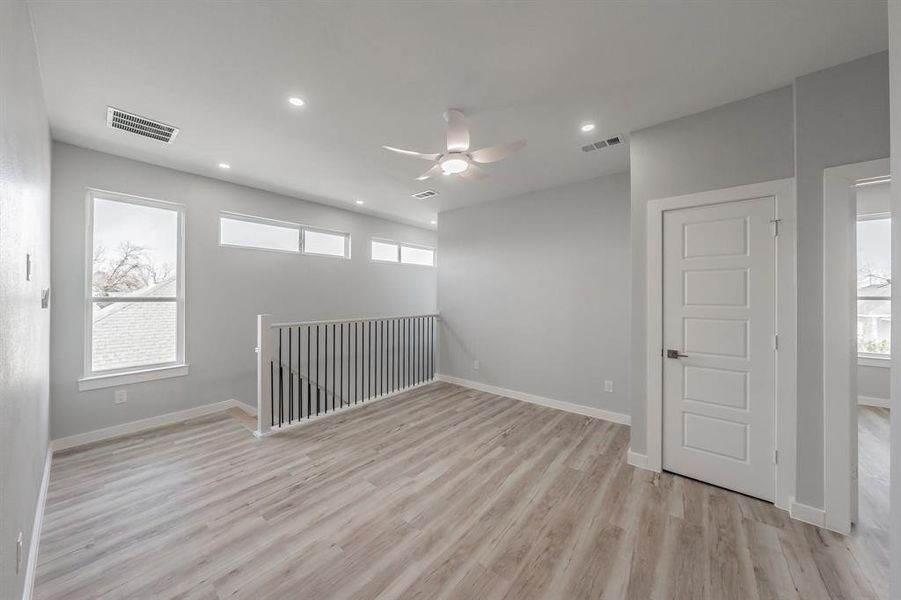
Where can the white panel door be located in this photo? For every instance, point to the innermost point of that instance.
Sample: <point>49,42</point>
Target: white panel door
<point>719,365</point>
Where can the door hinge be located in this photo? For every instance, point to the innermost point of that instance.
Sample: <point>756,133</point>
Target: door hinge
<point>775,457</point>
<point>776,342</point>
<point>775,223</point>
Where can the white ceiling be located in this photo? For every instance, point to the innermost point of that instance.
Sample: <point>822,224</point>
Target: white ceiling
<point>376,73</point>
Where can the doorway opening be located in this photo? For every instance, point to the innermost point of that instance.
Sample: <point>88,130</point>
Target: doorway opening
<point>857,352</point>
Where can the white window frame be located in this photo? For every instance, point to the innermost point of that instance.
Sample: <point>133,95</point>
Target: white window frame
<point>401,245</point>
<point>262,221</point>
<point>112,377</point>
<point>874,359</point>
<point>298,227</point>
<point>344,234</point>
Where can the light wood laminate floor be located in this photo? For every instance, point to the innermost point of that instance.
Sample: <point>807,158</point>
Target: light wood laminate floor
<point>442,492</point>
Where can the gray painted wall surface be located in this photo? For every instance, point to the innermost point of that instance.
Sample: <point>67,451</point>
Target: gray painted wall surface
<point>536,287</point>
<point>839,116</point>
<point>873,382</point>
<point>743,142</point>
<point>225,287</point>
<point>842,117</point>
<point>24,326</point>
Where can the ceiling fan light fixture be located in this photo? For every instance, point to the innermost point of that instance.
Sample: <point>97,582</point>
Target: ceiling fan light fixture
<point>454,165</point>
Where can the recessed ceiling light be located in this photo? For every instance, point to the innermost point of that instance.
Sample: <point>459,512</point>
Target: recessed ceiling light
<point>434,222</point>
<point>295,101</point>
<point>359,202</point>
<point>587,127</point>
<point>225,166</point>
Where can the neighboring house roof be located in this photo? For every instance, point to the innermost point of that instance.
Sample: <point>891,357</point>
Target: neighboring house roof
<point>128,334</point>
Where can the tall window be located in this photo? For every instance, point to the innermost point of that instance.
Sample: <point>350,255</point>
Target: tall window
<point>874,285</point>
<point>135,304</point>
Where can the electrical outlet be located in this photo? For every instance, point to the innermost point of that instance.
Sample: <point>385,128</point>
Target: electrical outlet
<point>475,365</point>
<point>121,397</point>
<point>608,385</point>
<point>19,552</point>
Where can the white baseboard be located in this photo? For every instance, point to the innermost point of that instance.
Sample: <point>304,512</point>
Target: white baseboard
<point>579,409</point>
<point>637,460</point>
<point>32,564</point>
<point>872,401</point>
<point>143,424</point>
<point>807,514</point>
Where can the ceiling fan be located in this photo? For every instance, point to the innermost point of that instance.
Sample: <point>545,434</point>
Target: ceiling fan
<point>459,160</point>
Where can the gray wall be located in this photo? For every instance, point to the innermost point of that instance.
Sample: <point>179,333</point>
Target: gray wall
<point>225,287</point>
<point>24,326</point>
<point>834,117</point>
<point>842,117</point>
<point>744,142</point>
<point>536,287</point>
<point>873,382</point>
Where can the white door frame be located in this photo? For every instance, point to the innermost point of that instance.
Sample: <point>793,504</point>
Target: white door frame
<point>839,338</point>
<point>783,190</point>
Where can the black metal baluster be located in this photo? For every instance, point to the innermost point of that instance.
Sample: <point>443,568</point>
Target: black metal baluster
<point>369,364</point>
<point>281,386</point>
<point>417,341</point>
<point>333,366</point>
<point>341,397</point>
<point>318,382</point>
<point>290,379</point>
<point>408,353</point>
<point>432,348</point>
<point>385,357</point>
<point>421,346</point>
<point>396,354</point>
<point>349,393</point>
<point>271,394</point>
<point>325,379</point>
<point>356,367</point>
<point>309,383</point>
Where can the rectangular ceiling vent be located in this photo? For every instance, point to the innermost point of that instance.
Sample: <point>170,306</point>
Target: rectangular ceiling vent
<point>126,121</point>
<point>425,194</point>
<point>613,141</point>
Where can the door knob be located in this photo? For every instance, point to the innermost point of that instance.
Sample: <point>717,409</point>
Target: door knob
<point>675,354</point>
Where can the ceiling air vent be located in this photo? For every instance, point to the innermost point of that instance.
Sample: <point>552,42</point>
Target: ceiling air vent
<point>425,194</point>
<point>613,141</point>
<point>119,119</point>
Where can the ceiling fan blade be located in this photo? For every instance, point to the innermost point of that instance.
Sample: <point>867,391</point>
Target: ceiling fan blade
<point>496,153</point>
<point>457,131</point>
<point>473,173</point>
<point>435,170</point>
<point>412,153</point>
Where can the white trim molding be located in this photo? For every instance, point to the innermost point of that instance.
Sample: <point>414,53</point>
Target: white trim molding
<point>579,409</point>
<point>807,514</point>
<point>873,401</point>
<point>96,382</point>
<point>32,564</point>
<point>840,357</point>
<point>115,431</point>
<point>783,190</point>
<point>637,460</point>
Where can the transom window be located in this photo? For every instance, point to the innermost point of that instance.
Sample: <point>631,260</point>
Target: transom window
<point>403,253</point>
<point>247,231</point>
<point>135,305</point>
